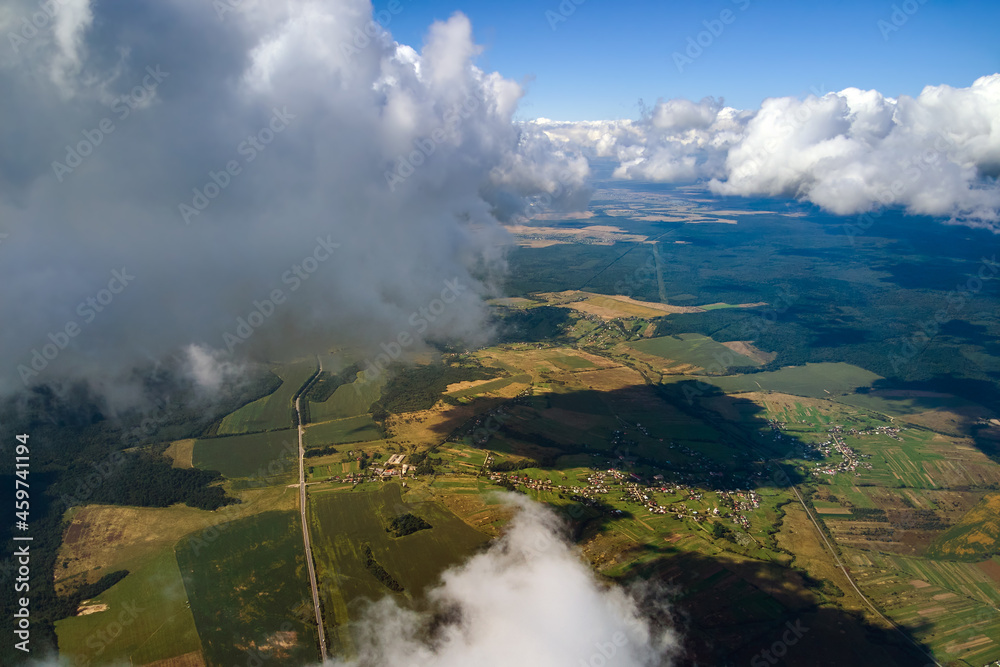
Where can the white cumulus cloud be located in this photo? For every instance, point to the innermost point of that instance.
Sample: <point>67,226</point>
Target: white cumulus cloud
<point>528,600</point>
<point>849,152</point>
<point>220,156</point>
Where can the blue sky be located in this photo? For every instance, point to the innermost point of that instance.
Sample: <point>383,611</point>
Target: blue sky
<point>606,56</point>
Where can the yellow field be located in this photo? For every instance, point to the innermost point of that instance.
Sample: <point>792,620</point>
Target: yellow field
<point>747,349</point>
<point>799,536</point>
<point>976,534</point>
<point>612,307</point>
<point>181,453</point>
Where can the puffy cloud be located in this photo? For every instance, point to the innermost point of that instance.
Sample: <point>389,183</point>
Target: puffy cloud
<point>217,157</point>
<point>676,140</point>
<point>540,176</point>
<point>530,599</point>
<point>849,152</point>
<point>854,151</point>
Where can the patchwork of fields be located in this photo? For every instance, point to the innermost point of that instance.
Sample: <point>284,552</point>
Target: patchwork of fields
<point>247,580</point>
<point>348,400</point>
<point>142,619</point>
<point>342,432</point>
<point>345,523</point>
<point>904,521</point>
<point>821,380</point>
<point>695,349</point>
<point>268,457</point>
<point>275,411</point>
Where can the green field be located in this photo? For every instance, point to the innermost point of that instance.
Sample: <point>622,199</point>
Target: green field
<point>342,432</point>
<point>267,456</point>
<point>821,380</point>
<point>344,522</point>
<point>349,400</point>
<point>717,306</point>
<point>959,599</point>
<point>693,349</point>
<point>250,582</point>
<point>147,619</point>
<point>897,406</point>
<point>275,411</point>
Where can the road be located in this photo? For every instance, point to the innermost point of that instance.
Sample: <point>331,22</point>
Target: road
<point>741,435</point>
<point>302,508</point>
<point>850,579</point>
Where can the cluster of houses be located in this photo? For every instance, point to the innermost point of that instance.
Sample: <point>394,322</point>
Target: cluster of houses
<point>852,460</point>
<point>534,484</point>
<point>891,431</point>
<point>634,489</point>
<point>393,467</point>
<point>739,501</point>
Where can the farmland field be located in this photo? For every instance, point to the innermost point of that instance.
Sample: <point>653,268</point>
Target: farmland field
<point>493,385</point>
<point>342,432</point>
<point>976,536</point>
<point>248,580</point>
<point>266,456</point>
<point>819,380</point>
<point>693,349</point>
<point>569,406</point>
<point>952,606</point>
<point>345,522</point>
<point>348,400</point>
<point>570,362</point>
<point>147,619</point>
<point>275,411</point>
<point>898,406</point>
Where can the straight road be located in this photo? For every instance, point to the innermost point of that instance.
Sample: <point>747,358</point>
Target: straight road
<point>302,508</point>
<point>850,579</point>
<point>741,435</point>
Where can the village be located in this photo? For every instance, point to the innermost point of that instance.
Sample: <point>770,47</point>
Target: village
<point>682,488</point>
<point>632,489</point>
